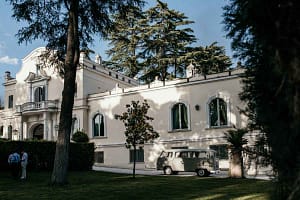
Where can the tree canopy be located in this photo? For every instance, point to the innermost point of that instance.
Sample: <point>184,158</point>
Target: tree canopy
<point>158,42</point>
<point>265,37</point>
<point>166,37</point>
<point>126,40</point>
<point>209,59</point>
<point>67,26</point>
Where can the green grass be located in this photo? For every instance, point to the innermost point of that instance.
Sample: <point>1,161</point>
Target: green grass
<point>94,185</point>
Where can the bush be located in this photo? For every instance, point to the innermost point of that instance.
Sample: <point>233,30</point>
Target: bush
<point>81,156</point>
<point>80,136</point>
<point>41,154</point>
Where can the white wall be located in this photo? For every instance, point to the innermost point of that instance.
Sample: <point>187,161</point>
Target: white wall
<point>161,100</point>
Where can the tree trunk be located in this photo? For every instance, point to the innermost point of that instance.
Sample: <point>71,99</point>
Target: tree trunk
<point>60,168</point>
<point>134,160</point>
<point>236,165</point>
<point>295,104</point>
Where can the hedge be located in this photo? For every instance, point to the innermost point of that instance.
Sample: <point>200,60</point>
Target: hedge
<point>41,154</point>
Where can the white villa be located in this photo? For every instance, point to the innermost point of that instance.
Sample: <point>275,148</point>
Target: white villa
<point>190,112</point>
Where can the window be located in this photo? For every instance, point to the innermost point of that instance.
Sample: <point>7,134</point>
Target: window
<point>179,116</point>
<point>139,153</point>
<point>38,132</point>
<point>75,92</point>
<point>1,131</point>
<point>39,94</point>
<point>10,101</point>
<point>99,157</point>
<point>9,132</point>
<point>221,150</point>
<point>218,113</point>
<point>75,125</point>
<point>98,125</point>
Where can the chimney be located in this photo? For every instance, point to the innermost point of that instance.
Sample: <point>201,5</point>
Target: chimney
<point>190,71</point>
<point>98,59</point>
<point>7,76</point>
<point>83,54</point>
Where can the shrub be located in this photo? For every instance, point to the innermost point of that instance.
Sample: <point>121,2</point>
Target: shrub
<point>81,156</point>
<point>80,136</point>
<point>41,154</point>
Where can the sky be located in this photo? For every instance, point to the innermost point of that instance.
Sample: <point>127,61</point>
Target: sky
<point>207,26</point>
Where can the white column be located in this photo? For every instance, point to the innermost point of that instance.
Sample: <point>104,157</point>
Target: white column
<point>21,129</point>
<point>50,133</point>
<point>46,91</point>
<point>45,115</point>
<point>25,131</point>
<point>30,93</point>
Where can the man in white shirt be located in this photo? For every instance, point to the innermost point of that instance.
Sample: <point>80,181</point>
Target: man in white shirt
<point>24,162</point>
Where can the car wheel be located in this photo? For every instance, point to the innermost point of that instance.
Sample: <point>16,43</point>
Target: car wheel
<point>168,171</point>
<point>201,172</point>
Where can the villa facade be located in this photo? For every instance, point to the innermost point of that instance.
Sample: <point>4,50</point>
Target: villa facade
<point>190,112</point>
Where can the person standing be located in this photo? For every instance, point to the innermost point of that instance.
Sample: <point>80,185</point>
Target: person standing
<point>13,161</point>
<point>24,162</point>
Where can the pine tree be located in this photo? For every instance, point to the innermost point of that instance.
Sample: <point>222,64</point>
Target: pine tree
<point>125,42</point>
<point>165,42</point>
<point>209,59</point>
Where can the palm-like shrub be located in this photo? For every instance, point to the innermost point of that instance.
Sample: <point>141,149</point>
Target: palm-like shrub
<point>236,141</point>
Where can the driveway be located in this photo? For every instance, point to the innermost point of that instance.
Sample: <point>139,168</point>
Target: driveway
<point>128,171</point>
<point>153,172</point>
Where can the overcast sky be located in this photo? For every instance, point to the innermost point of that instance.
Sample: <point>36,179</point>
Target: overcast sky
<point>208,28</point>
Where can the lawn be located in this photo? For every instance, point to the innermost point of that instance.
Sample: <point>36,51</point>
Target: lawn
<point>94,185</point>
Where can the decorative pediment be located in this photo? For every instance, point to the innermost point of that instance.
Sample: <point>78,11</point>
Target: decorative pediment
<point>32,77</point>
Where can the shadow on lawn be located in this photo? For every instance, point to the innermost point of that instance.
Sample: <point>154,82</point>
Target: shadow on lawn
<point>102,185</point>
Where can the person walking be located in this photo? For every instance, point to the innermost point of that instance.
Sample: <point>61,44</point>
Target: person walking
<point>24,162</point>
<point>13,161</point>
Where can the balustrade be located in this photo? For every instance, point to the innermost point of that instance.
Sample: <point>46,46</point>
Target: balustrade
<point>36,106</point>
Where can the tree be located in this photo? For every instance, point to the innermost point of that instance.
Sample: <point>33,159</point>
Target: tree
<point>209,59</point>
<point>138,130</point>
<point>265,37</point>
<point>66,26</point>
<point>165,41</point>
<point>125,42</point>
<point>236,141</point>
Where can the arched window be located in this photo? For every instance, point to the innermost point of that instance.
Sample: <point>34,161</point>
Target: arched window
<point>218,113</point>
<point>75,125</point>
<point>9,132</point>
<point>98,125</point>
<point>1,130</point>
<point>179,115</point>
<point>39,94</point>
<point>38,132</point>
